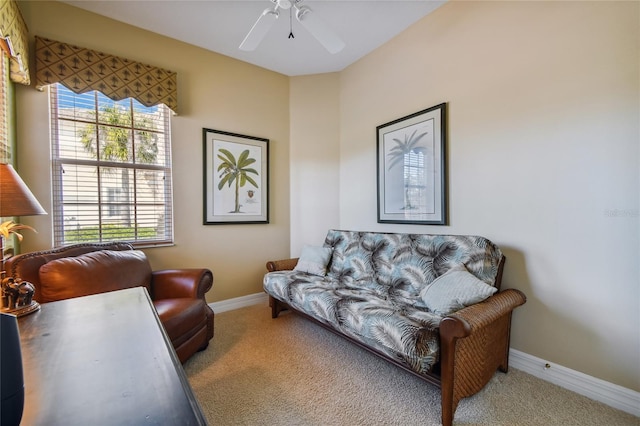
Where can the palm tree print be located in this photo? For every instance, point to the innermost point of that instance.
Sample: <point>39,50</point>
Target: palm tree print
<point>398,153</point>
<point>236,172</point>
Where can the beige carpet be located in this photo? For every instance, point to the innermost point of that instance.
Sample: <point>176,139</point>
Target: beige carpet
<point>288,371</point>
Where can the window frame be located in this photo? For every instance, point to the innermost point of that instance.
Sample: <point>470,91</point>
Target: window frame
<point>59,161</point>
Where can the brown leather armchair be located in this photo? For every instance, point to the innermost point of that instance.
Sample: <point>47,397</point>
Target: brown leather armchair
<point>82,269</point>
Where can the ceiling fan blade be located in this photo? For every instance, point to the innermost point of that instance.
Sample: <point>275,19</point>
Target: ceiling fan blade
<point>319,29</point>
<point>259,30</point>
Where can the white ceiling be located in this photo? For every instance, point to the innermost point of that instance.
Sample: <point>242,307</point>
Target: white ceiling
<point>221,25</point>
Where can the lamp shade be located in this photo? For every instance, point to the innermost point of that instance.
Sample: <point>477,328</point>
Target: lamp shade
<point>15,197</point>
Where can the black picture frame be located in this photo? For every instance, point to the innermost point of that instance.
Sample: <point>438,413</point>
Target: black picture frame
<point>411,168</point>
<point>235,178</point>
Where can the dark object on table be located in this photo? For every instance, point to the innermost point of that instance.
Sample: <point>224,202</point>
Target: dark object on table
<point>12,384</point>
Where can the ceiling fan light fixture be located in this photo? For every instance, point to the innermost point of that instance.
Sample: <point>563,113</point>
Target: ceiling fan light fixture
<point>259,29</point>
<point>319,30</point>
<point>284,4</point>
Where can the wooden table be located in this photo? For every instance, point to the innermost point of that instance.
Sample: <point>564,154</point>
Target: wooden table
<point>103,360</point>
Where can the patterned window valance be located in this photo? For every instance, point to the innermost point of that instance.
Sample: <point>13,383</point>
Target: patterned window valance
<point>14,31</point>
<point>82,70</point>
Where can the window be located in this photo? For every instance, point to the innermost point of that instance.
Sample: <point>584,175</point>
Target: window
<point>414,178</point>
<point>111,169</point>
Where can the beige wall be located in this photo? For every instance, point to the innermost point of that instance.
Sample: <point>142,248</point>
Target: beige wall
<point>214,92</point>
<point>543,146</point>
<point>543,156</point>
<point>315,160</point>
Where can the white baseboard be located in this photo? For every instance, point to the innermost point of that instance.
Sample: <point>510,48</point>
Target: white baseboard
<point>239,302</point>
<point>615,396</point>
<point>610,394</point>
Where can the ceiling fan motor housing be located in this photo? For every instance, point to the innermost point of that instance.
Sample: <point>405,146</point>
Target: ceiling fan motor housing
<point>309,21</point>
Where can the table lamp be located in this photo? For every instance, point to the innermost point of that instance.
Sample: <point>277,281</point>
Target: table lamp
<point>15,200</point>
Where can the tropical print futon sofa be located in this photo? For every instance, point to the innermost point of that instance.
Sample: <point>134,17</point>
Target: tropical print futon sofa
<point>428,303</point>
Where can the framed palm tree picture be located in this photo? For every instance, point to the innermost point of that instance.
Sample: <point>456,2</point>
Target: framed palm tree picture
<point>412,168</point>
<point>236,178</point>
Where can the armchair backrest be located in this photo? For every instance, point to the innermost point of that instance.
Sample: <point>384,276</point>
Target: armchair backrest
<point>27,266</point>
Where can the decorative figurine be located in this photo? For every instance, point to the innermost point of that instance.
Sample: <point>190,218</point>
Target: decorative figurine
<point>17,297</point>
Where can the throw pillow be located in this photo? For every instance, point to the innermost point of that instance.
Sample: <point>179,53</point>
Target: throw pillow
<point>454,290</point>
<point>314,260</point>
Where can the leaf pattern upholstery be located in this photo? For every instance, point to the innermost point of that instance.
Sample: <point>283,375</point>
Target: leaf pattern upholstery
<point>371,292</point>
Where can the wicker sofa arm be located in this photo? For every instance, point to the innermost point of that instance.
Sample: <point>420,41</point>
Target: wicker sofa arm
<point>474,343</point>
<point>178,283</point>
<point>480,315</point>
<point>282,265</point>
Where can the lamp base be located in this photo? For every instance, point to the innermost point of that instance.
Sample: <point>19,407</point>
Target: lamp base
<point>22,310</point>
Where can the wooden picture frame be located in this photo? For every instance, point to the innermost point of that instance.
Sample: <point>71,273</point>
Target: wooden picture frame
<point>236,178</point>
<point>411,169</point>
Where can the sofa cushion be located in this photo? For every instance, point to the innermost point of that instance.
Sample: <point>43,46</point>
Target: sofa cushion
<point>455,290</point>
<point>300,288</point>
<point>314,260</point>
<point>92,273</point>
<point>407,334</point>
<point>404,264</point>
<point>404,333</point>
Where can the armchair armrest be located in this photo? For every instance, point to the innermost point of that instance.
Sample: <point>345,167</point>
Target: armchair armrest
<point>282,265</point>
<point>177,283</point>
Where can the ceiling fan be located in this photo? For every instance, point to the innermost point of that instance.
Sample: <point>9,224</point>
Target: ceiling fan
<point>304,15</point>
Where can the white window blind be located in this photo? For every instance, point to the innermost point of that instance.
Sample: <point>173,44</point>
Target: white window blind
<point>414,180</point>
<point>111,169</point>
